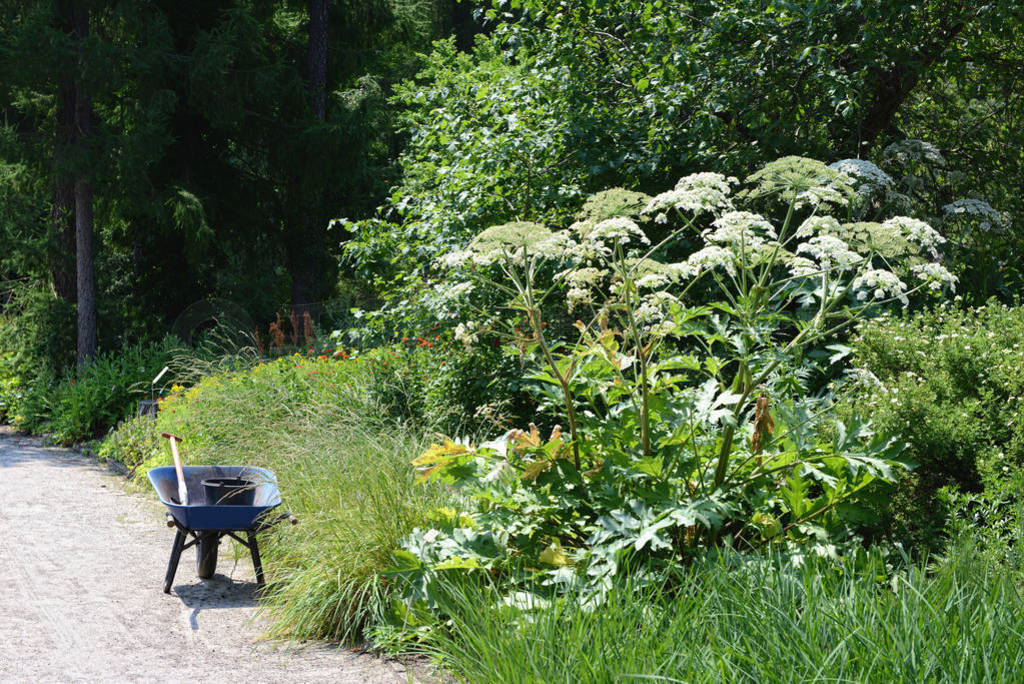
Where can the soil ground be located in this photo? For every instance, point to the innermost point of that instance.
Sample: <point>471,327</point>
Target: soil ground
<point>82,563</point>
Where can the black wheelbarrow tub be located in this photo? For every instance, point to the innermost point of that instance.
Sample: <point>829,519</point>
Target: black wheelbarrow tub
<point>201,514</point>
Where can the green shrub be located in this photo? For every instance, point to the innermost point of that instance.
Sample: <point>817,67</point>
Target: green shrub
<point>8,395</point>
<point>439,385</point>
<point>29,401</point>
<point>106,391</point>
<point>949,382</point>
<point>134,442</point>
<point>37,341</point>
<point>37,333</point>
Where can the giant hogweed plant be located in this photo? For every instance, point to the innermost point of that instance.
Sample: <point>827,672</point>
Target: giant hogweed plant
<point>686,426</point>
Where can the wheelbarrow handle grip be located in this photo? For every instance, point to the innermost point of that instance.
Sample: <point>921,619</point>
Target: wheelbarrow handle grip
<point>267,524</point>
<point>170,519</point>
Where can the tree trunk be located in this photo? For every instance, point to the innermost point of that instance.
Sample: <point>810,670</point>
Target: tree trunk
<point>304,246</point>
<point>894,86</point>
<point>62,269</point>
<point>316,64</point>
<point>86,277</point>
<point>86,280</point>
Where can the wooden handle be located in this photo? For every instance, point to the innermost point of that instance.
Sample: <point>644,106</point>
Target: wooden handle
<point>182,489</point>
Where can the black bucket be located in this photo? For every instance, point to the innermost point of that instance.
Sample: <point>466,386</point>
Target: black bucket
<point>229,491</point>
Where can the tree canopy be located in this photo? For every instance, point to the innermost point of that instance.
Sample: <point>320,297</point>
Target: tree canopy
<point>224,136</point>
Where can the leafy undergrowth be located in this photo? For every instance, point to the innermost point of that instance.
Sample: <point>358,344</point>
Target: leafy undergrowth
<point>91,400</point>
<point>342,468</point>
<point>753,622</point>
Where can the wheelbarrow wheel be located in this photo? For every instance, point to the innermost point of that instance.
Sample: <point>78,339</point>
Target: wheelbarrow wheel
<point>206,554</point>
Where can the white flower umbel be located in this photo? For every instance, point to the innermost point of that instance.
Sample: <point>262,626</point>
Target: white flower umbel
<point>740,228</point>
<point>582,282</point>
<point>588,251</point>
<point>698,192</point>
<point>682,270</point>
<point>916,232</point>
<point>818,225</point>
<point>707,180</point>
<point>935,276</point>
<point>802,267</point>
<point>830,252</point>
<point>466,335</point>
<point>576,297</point>
<point>652,281</point>
<point>559,246</point>
<point>879,284</point>
<point>456,258</point>
<point>819,195</point>
<point>867,178</point>
<point>653,308</point>
<point>710,258</point>
<point>508,242</point>
<point>988,218</point>
<point>619,229</point>
<point>458,290</point>
<point>584,277</point>
<point>913,150</point>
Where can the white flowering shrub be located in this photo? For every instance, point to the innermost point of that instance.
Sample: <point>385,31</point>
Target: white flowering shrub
<point>678,389</point>
<point>948,381</point>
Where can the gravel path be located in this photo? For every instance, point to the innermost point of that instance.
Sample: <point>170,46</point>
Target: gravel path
<point>81,571</point>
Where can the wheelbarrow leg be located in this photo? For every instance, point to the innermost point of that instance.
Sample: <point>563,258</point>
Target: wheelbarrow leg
<point>254,550</point>
<point>172,565</point>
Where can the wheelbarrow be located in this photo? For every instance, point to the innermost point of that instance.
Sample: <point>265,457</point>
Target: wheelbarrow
<point>208,513</point>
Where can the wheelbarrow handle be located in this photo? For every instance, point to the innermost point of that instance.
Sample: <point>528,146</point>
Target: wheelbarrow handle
<point>290,517</point>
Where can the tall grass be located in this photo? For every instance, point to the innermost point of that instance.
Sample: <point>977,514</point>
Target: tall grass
<point>962,622</point>
<point>342,469</point>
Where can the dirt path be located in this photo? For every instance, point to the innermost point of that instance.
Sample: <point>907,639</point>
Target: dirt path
<point>81,572</point>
